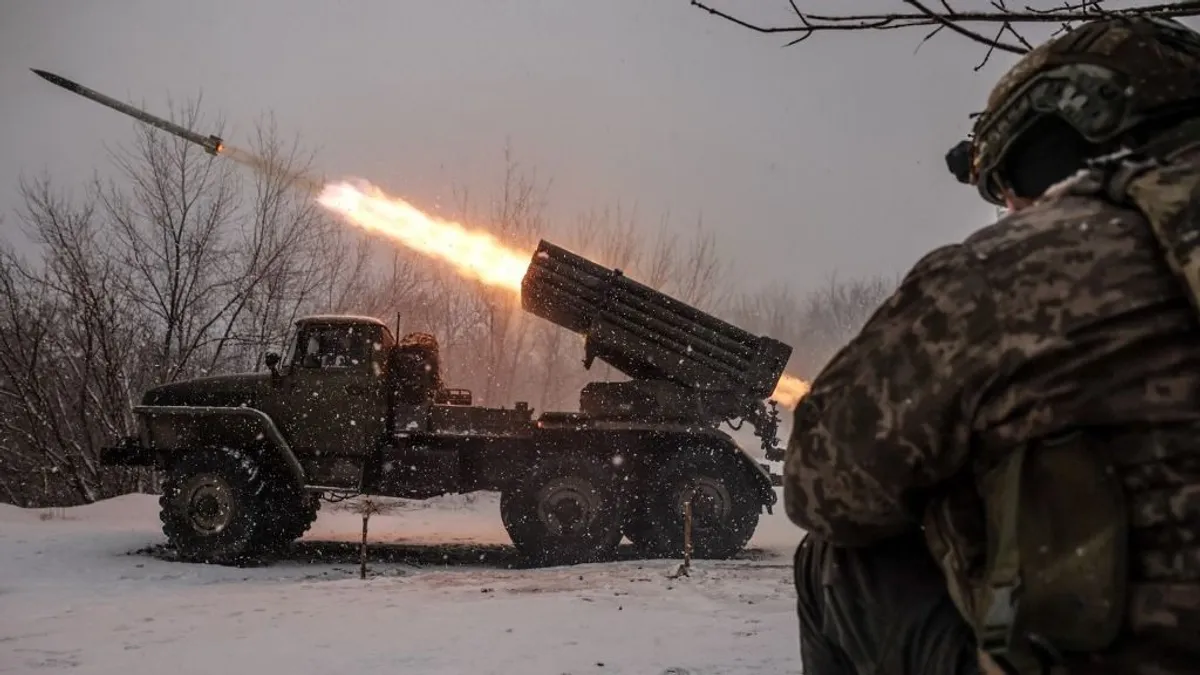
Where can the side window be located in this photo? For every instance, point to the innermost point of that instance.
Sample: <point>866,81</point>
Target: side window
<point>383,340</point>
<point>334,347</point>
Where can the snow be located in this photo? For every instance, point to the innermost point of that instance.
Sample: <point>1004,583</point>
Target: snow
<point>83,590</point>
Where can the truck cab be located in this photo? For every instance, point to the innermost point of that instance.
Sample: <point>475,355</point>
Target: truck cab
<point>349,394</point>
<point>329,396</point>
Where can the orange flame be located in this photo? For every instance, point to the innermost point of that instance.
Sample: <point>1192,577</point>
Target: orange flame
<point>790,390</point>
<point>475,254</point>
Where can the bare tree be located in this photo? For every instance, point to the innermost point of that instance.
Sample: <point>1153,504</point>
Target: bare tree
<point>516,217</point>
<point>658,266</point>
<point>66,368</point>
<point>170,218</point>
<point>394,289</point>
<point>700,276</point>
<point>774,310</point>
<point>292,255</point>
<point>832,314</point>
<point>185,267</point>
<point>816,323</point>
<point>997,28</point>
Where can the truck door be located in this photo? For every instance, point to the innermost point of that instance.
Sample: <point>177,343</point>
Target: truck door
<point>333,402</point>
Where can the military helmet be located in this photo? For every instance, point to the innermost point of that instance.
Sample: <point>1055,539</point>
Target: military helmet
<point>1102,78</point>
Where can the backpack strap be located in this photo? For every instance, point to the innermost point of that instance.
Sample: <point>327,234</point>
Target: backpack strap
<point>998,597</point>
<point>1164,190</point>
<point>1001,623</point>
<point>1057,558</point>
<point>1169,197</point>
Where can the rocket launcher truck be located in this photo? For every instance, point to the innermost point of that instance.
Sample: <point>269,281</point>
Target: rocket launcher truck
<point>354,409</point>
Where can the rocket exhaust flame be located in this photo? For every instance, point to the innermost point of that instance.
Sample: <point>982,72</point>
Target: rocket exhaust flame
<point>474,254</point>
<point>789,391</point>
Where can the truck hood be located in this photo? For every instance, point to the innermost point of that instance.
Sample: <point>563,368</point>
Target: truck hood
<point>243,389</point>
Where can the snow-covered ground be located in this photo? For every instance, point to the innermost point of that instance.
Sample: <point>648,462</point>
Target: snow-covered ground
<point>83,590</point>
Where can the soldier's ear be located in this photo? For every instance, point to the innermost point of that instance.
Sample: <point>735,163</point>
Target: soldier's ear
<point>1014,203</point>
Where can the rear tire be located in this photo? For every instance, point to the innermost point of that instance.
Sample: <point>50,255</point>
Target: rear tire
<point>567,510</point>
<point>214,506</point>
<point>725,508</point>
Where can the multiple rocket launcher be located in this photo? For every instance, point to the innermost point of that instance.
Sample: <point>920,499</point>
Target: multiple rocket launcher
<point>692,361</point>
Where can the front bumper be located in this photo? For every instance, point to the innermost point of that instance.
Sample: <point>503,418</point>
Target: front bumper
<point>127,452</point>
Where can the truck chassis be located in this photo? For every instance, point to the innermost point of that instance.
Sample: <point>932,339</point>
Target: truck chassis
<point>247,458</point>
<point>570,487</point>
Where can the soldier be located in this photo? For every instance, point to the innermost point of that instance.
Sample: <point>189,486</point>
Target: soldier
<point>1028,400</point>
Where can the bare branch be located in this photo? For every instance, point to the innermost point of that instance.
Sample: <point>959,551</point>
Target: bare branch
<point>951,22</point>
<point>1064,14</point>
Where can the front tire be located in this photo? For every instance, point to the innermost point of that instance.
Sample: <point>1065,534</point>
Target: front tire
<point>291,513</point>
<point>214,507</point>
<point>566,511</point>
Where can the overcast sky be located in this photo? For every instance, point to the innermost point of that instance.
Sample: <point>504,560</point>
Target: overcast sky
<point>821,158</point>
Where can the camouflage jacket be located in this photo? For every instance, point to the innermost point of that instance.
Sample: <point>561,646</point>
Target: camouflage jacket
<point>1059,317</point>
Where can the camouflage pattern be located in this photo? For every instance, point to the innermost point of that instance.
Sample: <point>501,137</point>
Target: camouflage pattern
<point>1103,78</point>
<point>882,609</point>
<point>1059,317</point>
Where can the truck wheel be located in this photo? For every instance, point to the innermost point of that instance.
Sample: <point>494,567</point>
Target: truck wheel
<point>567,510</point>
<point>305,515</point>
<point>213,508</point>
<point>291,513</point>
<point>725,507</point>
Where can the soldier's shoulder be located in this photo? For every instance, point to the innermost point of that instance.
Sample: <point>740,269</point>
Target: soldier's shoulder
<point>1065,218</point>
<point>948,259</point>
<point>945,270</point>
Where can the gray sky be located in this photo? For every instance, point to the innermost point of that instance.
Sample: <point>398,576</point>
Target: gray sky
<point>821,158</point>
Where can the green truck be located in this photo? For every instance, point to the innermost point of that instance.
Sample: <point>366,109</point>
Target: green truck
<point>354,409</point>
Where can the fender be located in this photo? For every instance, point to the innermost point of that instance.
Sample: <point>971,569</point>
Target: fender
<point>757,473</point>
<point>168,437</point>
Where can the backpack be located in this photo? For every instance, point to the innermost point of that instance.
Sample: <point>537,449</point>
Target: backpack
<point>1052,585</point>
